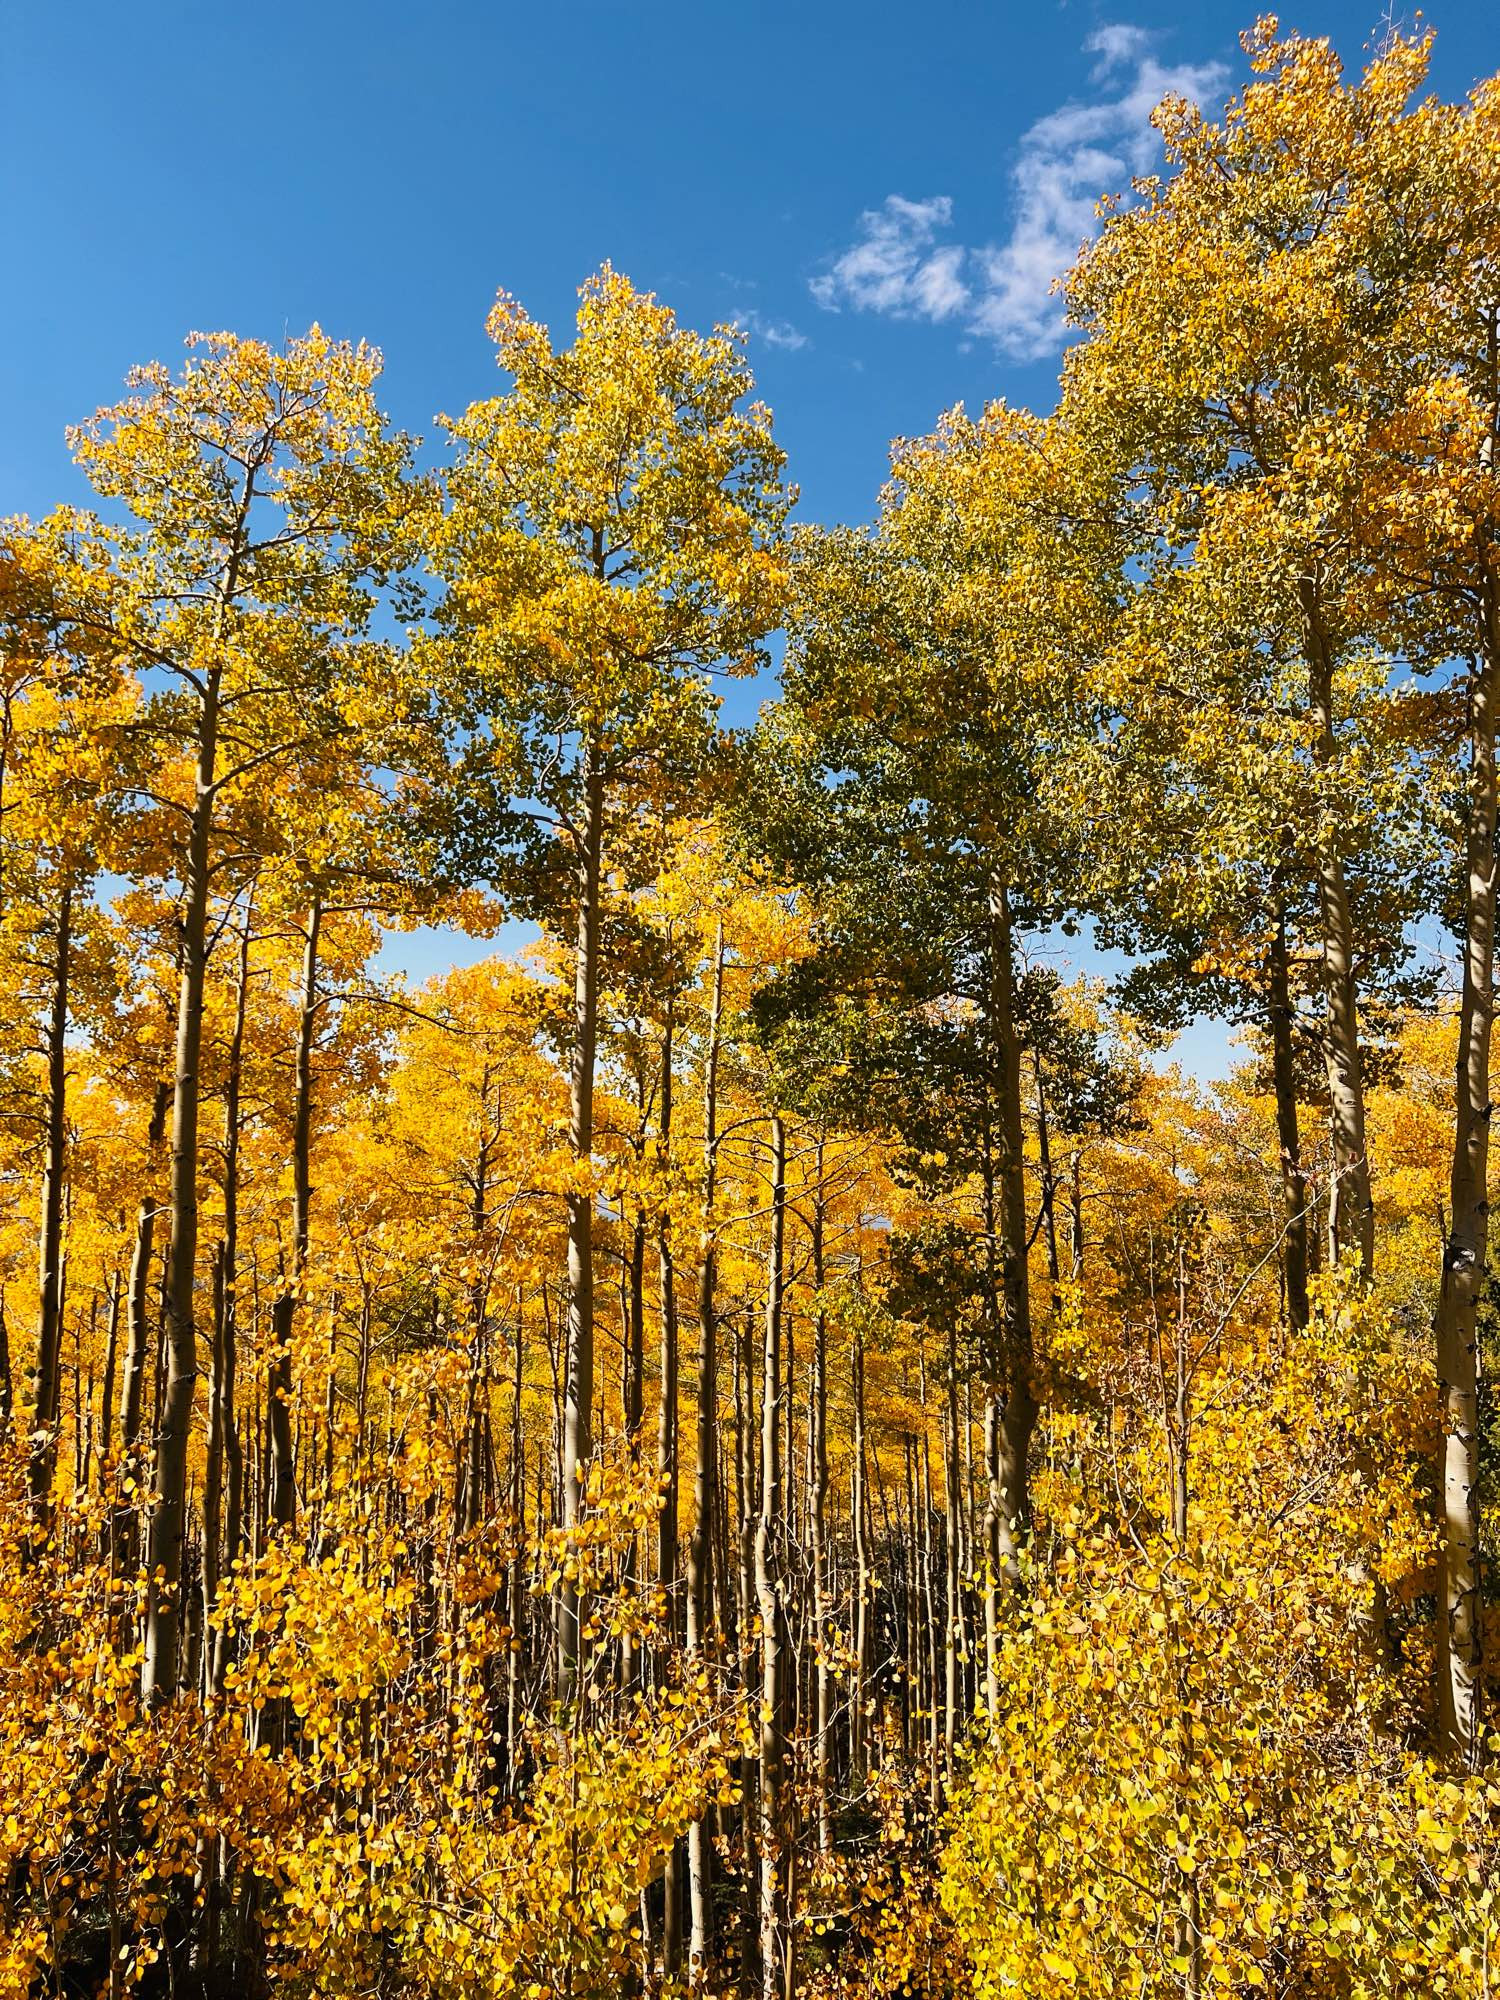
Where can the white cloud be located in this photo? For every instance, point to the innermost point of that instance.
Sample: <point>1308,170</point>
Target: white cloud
<point>1114,43</point>
<point>774,332</point>
<point>900,264</point>
<point>896,265</point>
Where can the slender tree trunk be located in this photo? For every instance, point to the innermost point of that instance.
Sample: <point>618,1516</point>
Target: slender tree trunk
<point>1018,1419</point>
<point>859,1508</point>
<point>952,1628</point>
<point>908,1516</point>
<point>517,1565</point>
<point>1048,1176</point>
<point>775,1931</point>
<point>164,1606</point>
<point>701,1542</point>
<point>284,1306</point>
<point>7,1388</point>
<point>1075,1214</point>
<point>822,1711</point>
<point>111,1371</point>
<point>1466,1259</point>
<point>42,1459</point>
<point>634,1308</point>
<point>666,1467</point>
<point>469,1496</point>
<point>209,1566</point>
<point>1353,1206</point>
<point>1293,1180</point>
<point>996,1310</point>
<point>746,1511</point>
<point>223,1427</point>
<point>666,1429</point>
<point>790,1498</point>
<point>579,1394</point>
<point>929,1606</point>
<point>993,1507</point>
<point>159,1668</point>
<point>1188,1929</point>
<point>968,1651</point>
<point>137,1348</point>
<point>633,1379</point>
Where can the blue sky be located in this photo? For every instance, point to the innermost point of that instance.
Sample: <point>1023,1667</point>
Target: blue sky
<point>879,192</point>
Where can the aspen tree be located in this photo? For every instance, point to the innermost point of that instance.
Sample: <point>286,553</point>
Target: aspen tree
<point>267,498</point>
<point>1227,316</point>
<point>611,543</point>
<point>1430,519</point>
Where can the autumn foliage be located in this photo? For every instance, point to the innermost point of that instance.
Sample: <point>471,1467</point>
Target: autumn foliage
<point>767,1438</point>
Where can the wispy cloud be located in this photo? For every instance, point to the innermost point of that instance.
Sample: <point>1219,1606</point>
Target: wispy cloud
<point>903,262</point>
<point>1116,43</point>
<point>774,332</point>
<point>896,264</point>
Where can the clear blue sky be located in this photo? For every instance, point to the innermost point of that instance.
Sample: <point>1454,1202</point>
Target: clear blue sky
<point>878,191</point>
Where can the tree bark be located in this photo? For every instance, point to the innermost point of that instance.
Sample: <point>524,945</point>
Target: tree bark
<point>1353,1206</point>
<point>818,1517</point>
<point>223,1427</point>
<point>993,1506</point>
<point>469,1496</point>
<point>294,1280</point>
<point>1075,1214</point>
<point>952,1629</point>
<point>1018,1418</point>
<point>1466,1257</point>
<point>165,1541</point>
<point>6,1386</point>
<point>746,1512</point>
<point>579,1393</point>
<point>859,1509</point>
<point>775,1929</point>
<point>666,1467</point>
<point>42,1456</point>
<point>1048,1175</point>
<point>159,1660</point>
<point>126,1525</point>
<point>1187,1929</point>
<point>705,1471</point>
<point>666,1427</point>
<point>933,1659</point>
<point>517,1568</point>
<point>1284,1081</point>
<point>111,1371</point>
<point>995,1324</point>
<point>634,1309</point>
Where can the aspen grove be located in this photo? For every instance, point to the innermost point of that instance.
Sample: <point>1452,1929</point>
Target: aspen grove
<point>769,1441</point>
